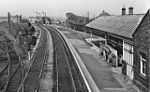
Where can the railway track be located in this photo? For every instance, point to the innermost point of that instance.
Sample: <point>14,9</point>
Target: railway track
<point>3,65</point>
<point>32,76</point>
<point>66,75</point>
<point>14,68</point>
<point>17,82</point>
<point>4,59</point>
<point>11,67</point>
<point>3,77</point>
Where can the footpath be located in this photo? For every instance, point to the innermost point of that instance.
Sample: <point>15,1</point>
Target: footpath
<point>106,77</point>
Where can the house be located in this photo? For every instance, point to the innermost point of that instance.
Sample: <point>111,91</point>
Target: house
<point>3,19</point>
<point>14,19</point>
<point>142,54</point>
<point>118,31</point>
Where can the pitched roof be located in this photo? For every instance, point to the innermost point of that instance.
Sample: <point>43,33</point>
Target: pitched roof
<point>121,25</point>
<point>147,14</point>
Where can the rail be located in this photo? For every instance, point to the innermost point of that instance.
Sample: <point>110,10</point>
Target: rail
<point>76,77</point>
<point>33,65</point>
<point>88,80</point>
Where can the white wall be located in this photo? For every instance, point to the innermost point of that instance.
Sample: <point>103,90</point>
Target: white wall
<point>128,57</point>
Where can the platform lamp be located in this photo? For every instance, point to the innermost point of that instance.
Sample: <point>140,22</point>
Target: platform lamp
<point>43,13</point>
<point>45,18</point>
<point>74,29</point>
<point>9,20</point>
<point>36,15</point>
<point>39,16</point>
<point>85,32</point>
<point>91,35</point>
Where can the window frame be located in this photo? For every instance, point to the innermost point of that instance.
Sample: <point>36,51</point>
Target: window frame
<point>142,60</point>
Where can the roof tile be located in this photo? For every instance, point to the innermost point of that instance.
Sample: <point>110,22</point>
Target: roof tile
<point>120,25</point>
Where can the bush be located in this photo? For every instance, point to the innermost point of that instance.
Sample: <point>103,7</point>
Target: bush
<point>14,34</point>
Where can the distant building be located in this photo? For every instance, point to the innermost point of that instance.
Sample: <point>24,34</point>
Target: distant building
<point>104,13</point>
<point>33,19</point>
<point>72,18</point>
<point>16,18</point>
<point>3,19</point>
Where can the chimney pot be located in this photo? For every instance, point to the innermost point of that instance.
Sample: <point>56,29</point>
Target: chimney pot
<point>123,11</point>
<point>130,10</point>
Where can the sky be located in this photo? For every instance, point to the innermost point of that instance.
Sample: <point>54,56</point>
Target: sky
<point>58,8</point>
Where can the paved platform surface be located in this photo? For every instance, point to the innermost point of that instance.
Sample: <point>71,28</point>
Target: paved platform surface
<point>106,77</point>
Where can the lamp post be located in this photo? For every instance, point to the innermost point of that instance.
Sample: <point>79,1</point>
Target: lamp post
<point>43,13</point>
<point>37,17</point>
<point>9,20</point>
<point>85,32</point>
<point>91,35</point>
<point>45,19</point>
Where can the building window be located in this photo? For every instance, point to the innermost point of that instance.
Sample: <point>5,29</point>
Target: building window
<point>143,64</point>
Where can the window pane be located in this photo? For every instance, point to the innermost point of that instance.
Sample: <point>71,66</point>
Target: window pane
<point>144,67</point>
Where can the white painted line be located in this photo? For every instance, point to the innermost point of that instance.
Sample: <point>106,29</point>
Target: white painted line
<point>57,73</point>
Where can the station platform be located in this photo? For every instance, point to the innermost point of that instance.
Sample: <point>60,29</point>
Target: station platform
<point>106,77</point>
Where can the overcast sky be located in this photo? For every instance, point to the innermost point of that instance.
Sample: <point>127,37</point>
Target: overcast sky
<point>58,8</point>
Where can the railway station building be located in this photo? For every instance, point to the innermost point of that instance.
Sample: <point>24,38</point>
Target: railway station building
<point>129,35</point>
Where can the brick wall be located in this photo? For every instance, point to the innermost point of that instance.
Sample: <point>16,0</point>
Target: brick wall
<point>142,44</point>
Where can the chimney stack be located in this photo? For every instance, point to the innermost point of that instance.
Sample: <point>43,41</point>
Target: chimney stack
<point>123,11</point>
<point>88,14</point>
<point>130,10</point>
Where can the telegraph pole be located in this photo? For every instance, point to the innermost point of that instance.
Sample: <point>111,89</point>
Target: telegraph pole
<point>37,17</point>
<point>9,31</point>
<point>9,19</point>
<point>43,19</point>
